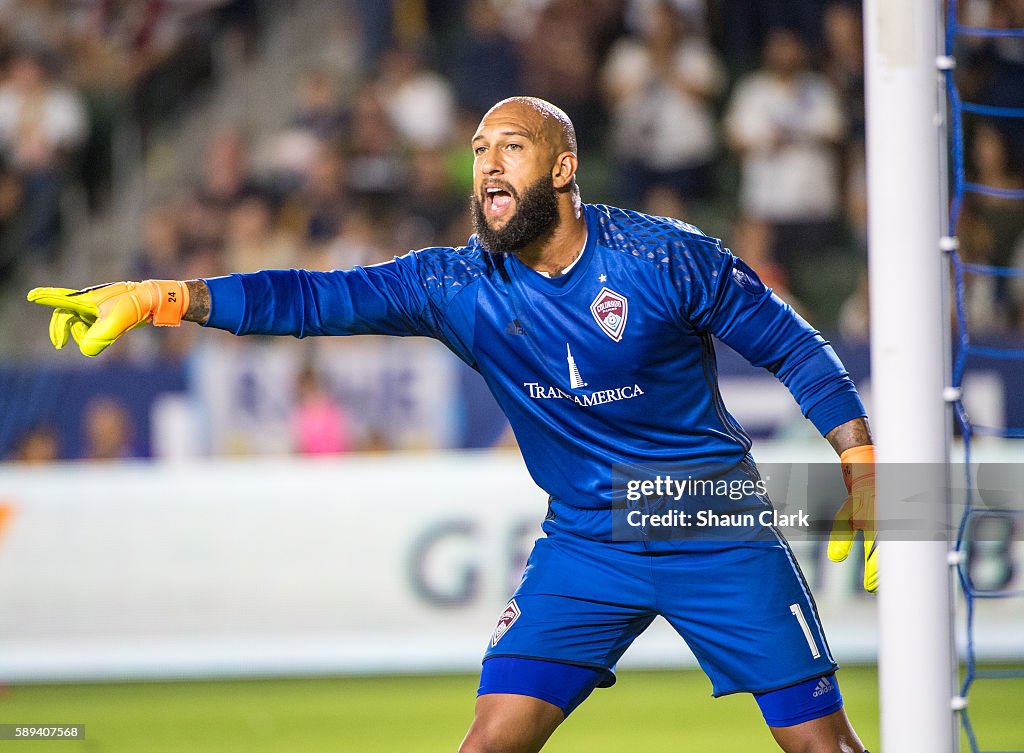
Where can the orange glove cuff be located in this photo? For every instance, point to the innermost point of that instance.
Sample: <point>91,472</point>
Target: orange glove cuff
<point>858,463</point>
<point>170,301</point>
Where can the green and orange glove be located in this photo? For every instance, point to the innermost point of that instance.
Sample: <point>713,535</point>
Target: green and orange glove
<point>96,317</point>
<point>857,512</point>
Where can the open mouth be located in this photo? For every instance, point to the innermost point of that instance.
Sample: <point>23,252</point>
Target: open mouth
<point>497,201</point>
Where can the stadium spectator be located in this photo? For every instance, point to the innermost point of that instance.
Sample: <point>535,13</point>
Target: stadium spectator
<point>460,164</point>
<point>253,241</point>
<point>661,86</point>
<point>225,185</point>
<point>387,23</point>
<point>320,425</point>
<point>227,180</point>
<point>746,26</point>
<point>116,48</point>
<point>319,111</point>
<point>989,225</point>
<point>419,101</point>
<point>338,54</point>
<point>561,58</point>
<point>237,22</point>
<point>319,121</point>
<point>855,187</point>
<point>363,240</point>
<point>785,124</point>
<point>981,310</point>
<point>843,40</point>
<point>202,231</point>
<point>39,24</point>
<point>993,165</point>
<point>160,256</point>
<point>430,206</point>
<point>639,14</point>
<point>42,124</point>
<point>292,154</point>
<point>377,168</point>
<point>994,68</point>
<point>486,65</point>
<point>107,430</point>
<point>844,68</point>
<point>316,211</point>
<point>10,224</point>
<point>39,445</point>
<point>854,321</point>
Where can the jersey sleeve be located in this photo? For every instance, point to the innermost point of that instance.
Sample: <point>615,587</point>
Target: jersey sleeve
<point>724,296</point>
<point>403,297</point>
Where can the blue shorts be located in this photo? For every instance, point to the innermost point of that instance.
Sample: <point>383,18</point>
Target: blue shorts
<point>744,610</point>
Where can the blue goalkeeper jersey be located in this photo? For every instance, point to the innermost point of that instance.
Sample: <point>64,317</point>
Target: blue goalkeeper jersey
<point>610,364</point>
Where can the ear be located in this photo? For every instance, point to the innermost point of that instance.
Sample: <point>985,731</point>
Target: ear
<point>564,169</point>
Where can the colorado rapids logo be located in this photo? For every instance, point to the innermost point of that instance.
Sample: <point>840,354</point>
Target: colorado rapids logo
<point>510,615</point>
<point>609,310</point>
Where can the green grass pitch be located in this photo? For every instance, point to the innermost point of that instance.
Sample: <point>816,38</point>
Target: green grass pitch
<point>654,712</point>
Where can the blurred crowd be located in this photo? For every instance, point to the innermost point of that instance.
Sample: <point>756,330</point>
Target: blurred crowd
<point>745,117</point>
<point>75,75</point>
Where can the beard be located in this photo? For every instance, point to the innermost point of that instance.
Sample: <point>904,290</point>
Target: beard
<point>536,215</point>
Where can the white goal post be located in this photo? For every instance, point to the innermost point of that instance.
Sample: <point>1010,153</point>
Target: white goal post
<point>906,179</point>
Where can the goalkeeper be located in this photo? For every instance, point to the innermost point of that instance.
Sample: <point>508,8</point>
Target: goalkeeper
<point>592,326</point>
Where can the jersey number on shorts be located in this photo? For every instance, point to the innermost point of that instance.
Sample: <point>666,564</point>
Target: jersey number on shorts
<point>799,614</point>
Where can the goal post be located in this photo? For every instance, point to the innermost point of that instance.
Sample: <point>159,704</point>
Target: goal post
<point>906,176</point>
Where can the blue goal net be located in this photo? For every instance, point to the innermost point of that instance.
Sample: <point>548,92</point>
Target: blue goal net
<point>983,532</point>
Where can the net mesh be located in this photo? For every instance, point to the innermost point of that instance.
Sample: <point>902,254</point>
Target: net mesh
<point>968,354</point>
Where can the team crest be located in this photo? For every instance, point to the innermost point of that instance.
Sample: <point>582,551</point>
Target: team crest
<point>609,310</point>
<point>509,616</point>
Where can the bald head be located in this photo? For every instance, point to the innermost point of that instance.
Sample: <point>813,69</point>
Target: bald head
<point>524,163</point>
<point>547,122</point>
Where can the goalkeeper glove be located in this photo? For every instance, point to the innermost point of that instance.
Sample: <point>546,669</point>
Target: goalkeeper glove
<point>857,512</point>
<point>96,317</point>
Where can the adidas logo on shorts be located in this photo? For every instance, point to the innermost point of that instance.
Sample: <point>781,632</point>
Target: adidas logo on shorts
<point>823,687</point>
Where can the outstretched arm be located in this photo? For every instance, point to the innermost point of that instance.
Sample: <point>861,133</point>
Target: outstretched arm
<point>387,299</point>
